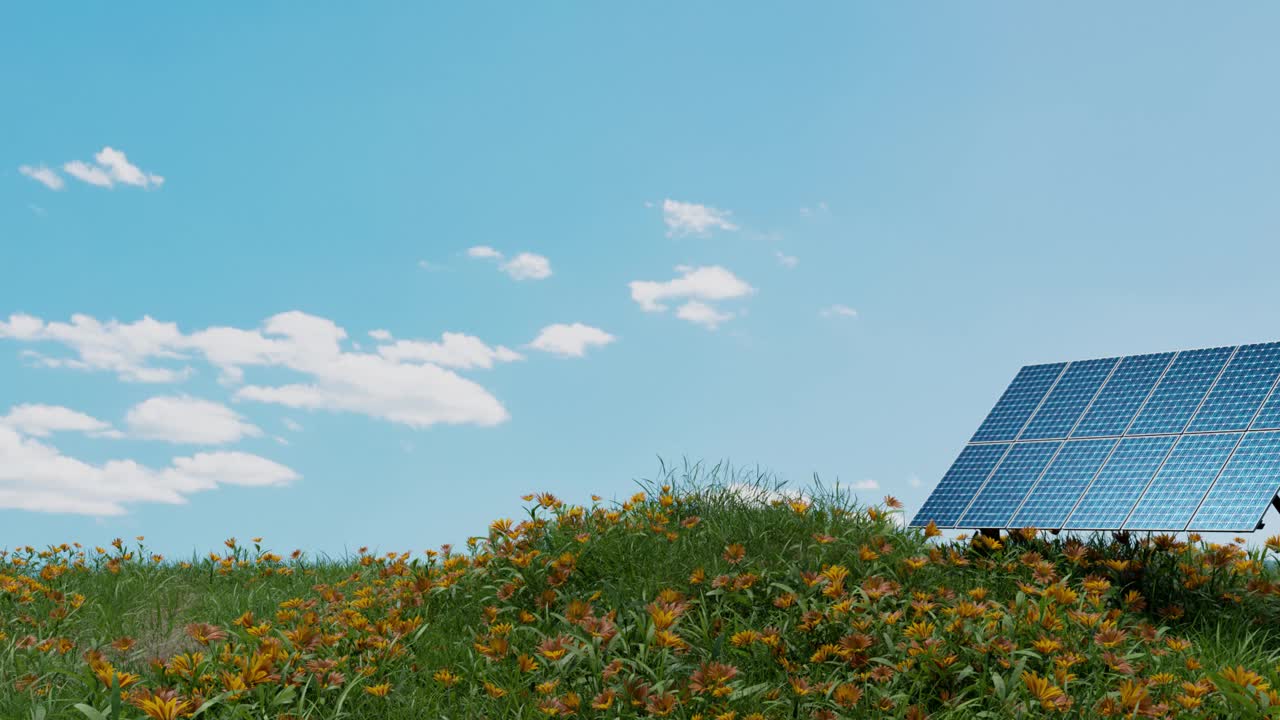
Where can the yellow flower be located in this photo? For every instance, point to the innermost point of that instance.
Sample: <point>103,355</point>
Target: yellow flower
<point>379,690</point>
<point>446,678</point>
<point>166,709</point>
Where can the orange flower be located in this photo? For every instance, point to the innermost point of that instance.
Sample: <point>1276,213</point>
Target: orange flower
<point>204,633</point>
<point>733,554</point>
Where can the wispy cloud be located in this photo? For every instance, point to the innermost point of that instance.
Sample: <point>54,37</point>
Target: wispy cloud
<point>711,282</point>
<point>786,261</point>
<point>838,311</point>
<point>42,421</point>
<point>524,266</point>
<point>484,252</point>
<point>36,476</point>
<point>700,313</point>
<point>410,386</point>
<point>110,167</point>
<point>454,350</point>
<point>528,266</point>
<point>182,419</point>
<point>686,218</point>
<point>696,286</point>
<point>867,484</point>
<point>570,340</point>
<point>43,175</point>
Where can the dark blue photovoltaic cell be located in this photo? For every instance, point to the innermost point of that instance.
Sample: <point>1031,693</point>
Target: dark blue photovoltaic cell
<point>1018,402</point>
<point>1179,393</point>
<point>960,483</point>
<point>1243,386</point>
<point>1067,401</point>
<point>1047,505</point>
<point>1243,491</point>
<point>1009,484</point>
<point>1113,493</point>
<point>1182,483</point>
<point>1120,398</point>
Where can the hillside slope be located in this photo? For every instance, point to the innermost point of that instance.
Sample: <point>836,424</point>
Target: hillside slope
<point>694,601</point>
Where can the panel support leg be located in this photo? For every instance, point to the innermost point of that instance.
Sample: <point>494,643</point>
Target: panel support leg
<point>1275,503</point>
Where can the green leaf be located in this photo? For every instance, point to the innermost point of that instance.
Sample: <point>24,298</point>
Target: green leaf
<point>285,696</point>
<point>92,713</point>
<point>998,683</point>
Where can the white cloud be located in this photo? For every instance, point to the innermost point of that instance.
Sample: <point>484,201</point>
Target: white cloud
<point>525,266</point>
<point>700,313</point>
<point>838,311</point>
<point>703,283</point>
<point>111,167</point>
<point>484,252</point>
<point>124,349</point>
<point>292,424</point>
<point>44,420</point>
<point>454,350</point>
<point>787,261</point>
<point>380,335</point>
<point>37,477</point>
<point>684,218</point>
<point>415,393</point>
<point>765,495</point>
<point>91,174</point>
<point>696,286</point>
<point>209,469</point>
<point>807,211</point>
<point>867,484</point>
<point>188,420</point>
<point>570,340</point>
<point>914,481</point>
<point>43,175</point>
<point>528,266</point>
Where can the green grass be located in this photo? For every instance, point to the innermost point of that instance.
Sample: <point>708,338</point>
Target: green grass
<point>918,627</point>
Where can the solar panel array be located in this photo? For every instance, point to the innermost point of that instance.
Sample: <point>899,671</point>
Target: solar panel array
<point>1172,441</point>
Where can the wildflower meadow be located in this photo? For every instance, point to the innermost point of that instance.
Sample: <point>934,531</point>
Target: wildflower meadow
<point>691,599</point>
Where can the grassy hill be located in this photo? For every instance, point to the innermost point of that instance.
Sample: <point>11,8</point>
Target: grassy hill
<point>692,601</point>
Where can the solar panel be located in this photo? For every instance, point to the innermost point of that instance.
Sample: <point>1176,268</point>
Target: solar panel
<point>1240,391</point>
<point>1181,483</point>
<point>1123,394</point>
<point>1180,391</point>
<point>957,487</point>
<point>1063,483</point>
<point>1107,502</point>
<point>1159,442</point>
<point>1241,493</point>
<point>1063,406</point>
<point>1015,475</point>
<point>1019,400</point>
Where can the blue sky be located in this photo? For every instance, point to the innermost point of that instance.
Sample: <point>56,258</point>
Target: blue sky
<point>818,238</point>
